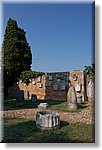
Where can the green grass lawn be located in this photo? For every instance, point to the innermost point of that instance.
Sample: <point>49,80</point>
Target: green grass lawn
<point>23,130</point>
<point>58,105</point>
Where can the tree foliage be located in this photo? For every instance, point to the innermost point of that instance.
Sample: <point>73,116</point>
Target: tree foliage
<point>90,70</point>
<point>27,75</point>
<point>17,52</point>
<point>17,55</point>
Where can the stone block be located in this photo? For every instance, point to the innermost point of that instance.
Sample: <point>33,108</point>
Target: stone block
<point>26,94</point>
<point>47,120</point>
<point>55,86</point>
<point>33,98</point>
<point>19,95</point>
<point>42,105</point>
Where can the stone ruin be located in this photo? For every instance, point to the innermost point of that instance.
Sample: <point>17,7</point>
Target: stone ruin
<point>19,95</point>
<point>34,98</point>
<point>71,98</point>
<point>55,86</point>
<point>26,94</point>
<point>42,105</point>
<point>47,119</point>
<point>91,91</point>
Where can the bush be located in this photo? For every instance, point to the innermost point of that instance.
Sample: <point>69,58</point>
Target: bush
<point>26,76</point>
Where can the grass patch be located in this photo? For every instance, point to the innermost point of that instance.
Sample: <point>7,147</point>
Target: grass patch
<point>62,106</point>
<point>25,131</point>
<point>10,104</point>
<point>57,105</point>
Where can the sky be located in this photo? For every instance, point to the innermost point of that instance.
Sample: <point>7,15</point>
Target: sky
<point>60,34</point>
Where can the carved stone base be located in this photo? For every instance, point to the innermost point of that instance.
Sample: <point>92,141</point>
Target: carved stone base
<point>72,106</point>
<point>91,99</point>
<point>47,120</point>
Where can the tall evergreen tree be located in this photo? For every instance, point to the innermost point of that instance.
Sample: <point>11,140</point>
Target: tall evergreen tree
<point>16,52</point>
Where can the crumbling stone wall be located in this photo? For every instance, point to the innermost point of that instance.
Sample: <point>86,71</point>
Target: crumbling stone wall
<point>36,86</point>
<point>51,85</point>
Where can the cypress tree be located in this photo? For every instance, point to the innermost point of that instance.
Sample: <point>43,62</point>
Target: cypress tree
<point>16,52</point>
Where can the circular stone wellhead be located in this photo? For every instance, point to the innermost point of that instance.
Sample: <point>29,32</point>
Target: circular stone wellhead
<point>47,119</point>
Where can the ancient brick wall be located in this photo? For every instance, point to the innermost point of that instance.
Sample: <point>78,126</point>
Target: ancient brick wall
<point>36,86</point>
<point>51,85</point>
<point>57,85</point>
<point>55,95</point>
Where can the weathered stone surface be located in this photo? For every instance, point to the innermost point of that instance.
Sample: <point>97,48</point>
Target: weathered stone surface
<point>90,89</point>
<point>47,120</point>
<point>80,79</point>
<point>34,98</point>
<point>55,95</point>
<point>48,83</point>
<point>79,98</point>
<point>47,91</point>
<point>77,88</point>
<point>55,86</point>
<point>62,86</point>
<point>26,94</point>
<point>42,105</point>
<point>19,95</point>
<point>71,98</point>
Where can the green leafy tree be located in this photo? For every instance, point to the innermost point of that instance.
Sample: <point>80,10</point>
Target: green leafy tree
<point>90,70</point>
<point>27,75</point>
<point>17,55</point>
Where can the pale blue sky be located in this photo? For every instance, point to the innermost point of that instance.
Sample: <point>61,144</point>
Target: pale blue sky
<point>60,35</point>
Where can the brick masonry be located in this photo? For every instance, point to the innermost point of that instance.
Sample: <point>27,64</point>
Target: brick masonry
<point>52,85</point>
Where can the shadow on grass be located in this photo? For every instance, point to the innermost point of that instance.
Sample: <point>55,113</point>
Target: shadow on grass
<point>27,132</point>
<point>10,104</point>
<point>56,105</point>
